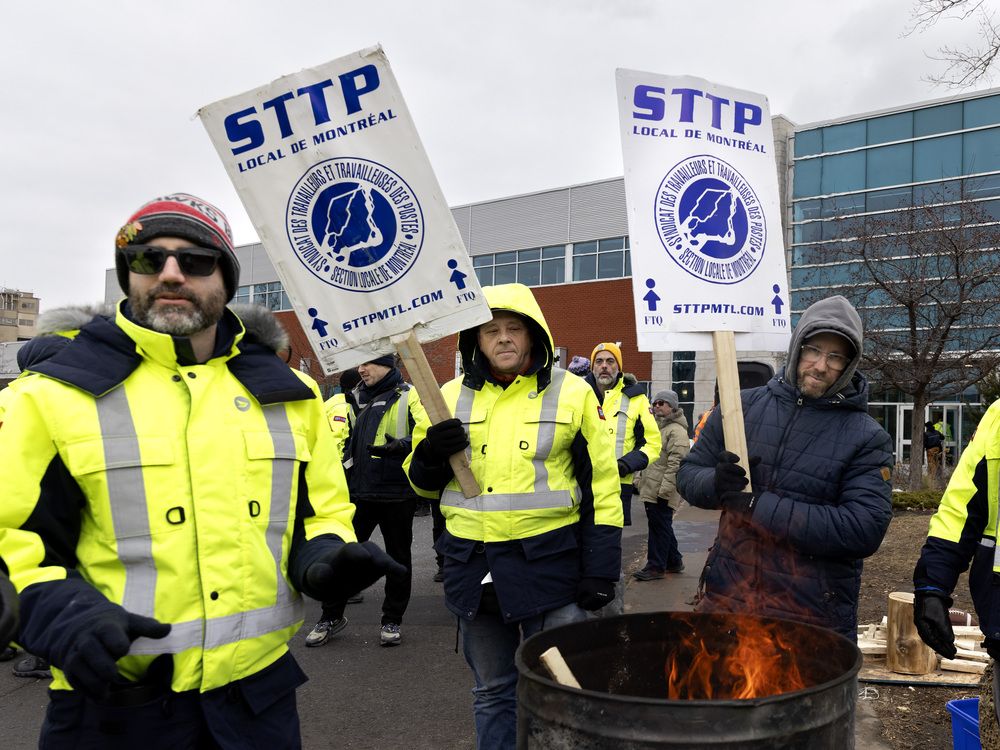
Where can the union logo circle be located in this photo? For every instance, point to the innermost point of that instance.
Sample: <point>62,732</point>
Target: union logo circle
<point>354,223</point>
<point>709,220</point>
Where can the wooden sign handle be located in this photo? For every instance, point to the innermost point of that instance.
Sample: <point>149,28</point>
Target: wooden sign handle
<point>422,376</point>
<point>729,397</point>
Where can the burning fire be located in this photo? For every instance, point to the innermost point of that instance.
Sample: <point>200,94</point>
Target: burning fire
<point>752,659</point>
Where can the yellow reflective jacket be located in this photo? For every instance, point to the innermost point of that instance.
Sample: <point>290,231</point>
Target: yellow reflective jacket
<point>964,528</point>
<point>340,415</point>
<point>550,511</point>
<point>631,425</point>
<point>183,492</point>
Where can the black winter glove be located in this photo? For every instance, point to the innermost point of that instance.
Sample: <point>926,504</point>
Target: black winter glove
<point>930,615</point>
<point>594,593</point>
<point>347,570</point>
<point>392,447</point>
<point>729,475</point>
<point>622,468</point>
<point>443,440</point>
<point>87,653</point>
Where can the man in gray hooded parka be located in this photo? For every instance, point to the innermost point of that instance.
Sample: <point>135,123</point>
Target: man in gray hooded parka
<point>820,470</point>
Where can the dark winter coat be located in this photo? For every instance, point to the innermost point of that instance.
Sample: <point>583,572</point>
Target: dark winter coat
<point>822,496</point>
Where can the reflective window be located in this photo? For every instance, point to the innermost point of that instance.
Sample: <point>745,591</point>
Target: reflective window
<point>808,142</point>
<point>981,151</point>
<point>843,173</point>
<point>981,187</point>
<point>242,295</point>
<point>941,119</point>
<point>553,265</point>
<point>604,259</point>
<point>840,137</point>
<point>530,273</point>
<point>937,158</point>
<point>505,274</point>
<point>937,192</point>
<point>807,254</point>
<point>836,229</point>
<point>811,232</point>
<point>532,266</point>
<point>584,267</point>
<point>884,200</point>
<point>890,165</point>
<point>807,178</point>
<point>843,204</point>
<point>271,296</point>
<point>890,128</point>
<point>806,210</point>
<point>985,111</point>
<point>485,276</point>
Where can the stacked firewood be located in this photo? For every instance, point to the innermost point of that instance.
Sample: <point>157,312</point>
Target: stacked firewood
<point>971,656</point>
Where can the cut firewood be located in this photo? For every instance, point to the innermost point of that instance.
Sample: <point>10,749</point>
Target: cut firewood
<point>967,630</point>
<point>871,647</point>
<point>906,653</point>
<point>558,668</point>
<point>963,665</point>
<point>973,655</point>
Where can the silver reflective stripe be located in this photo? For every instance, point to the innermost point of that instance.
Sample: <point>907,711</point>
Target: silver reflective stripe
<point>221,631</point>
<point>541,497</point>
<point>402,412</point>
<point>463,412</point>
<point>622,424</point>
<point>127,497</point>
<point>282,476</point>
<point>509,501</point>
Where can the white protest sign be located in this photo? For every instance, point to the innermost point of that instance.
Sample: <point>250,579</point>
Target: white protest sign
<point>334,177</point>
<point>704,214</point>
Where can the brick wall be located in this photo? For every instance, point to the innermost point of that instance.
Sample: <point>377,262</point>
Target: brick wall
<point>579,315</point>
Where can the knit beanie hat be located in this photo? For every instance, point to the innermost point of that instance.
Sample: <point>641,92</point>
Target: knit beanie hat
<point>386,360</point>
<point>669,396</point>
<point>608,347</point>
<point>579,365</point>
<point>184,216</point>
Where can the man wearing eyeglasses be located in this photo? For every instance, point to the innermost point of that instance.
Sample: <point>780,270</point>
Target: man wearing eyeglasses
<point>170,486</point>
<point>820,469</point>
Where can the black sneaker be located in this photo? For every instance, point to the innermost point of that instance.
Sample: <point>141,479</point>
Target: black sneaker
<point>32,666</point>
<point>648,574</point>
<point>678,568</point>
<point>439,576</point>
<point>8,653</point>
<point>356,599</point>
<point>322,631</point>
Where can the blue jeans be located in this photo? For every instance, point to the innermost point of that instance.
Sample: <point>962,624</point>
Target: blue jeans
<point>489,645</point>
<point>662,545</point>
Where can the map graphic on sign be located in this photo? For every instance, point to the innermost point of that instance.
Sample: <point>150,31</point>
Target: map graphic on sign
<point>354,223</point>
<point>709,220</point>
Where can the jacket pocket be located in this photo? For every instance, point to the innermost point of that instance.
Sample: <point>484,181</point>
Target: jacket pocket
<point>272,464</point>
<point>545,435</point>
<point>454,547</point>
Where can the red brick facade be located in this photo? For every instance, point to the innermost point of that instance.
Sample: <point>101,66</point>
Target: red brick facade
<point>579,315</point>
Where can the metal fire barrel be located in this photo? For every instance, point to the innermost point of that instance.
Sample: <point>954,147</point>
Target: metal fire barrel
<point>620,664</point>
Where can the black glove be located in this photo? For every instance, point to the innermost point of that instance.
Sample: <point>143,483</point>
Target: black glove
<point>741,503</point>
<point>347,570</point>
<point>930,615</point>
<point>392,447</point>
<point>87,653</point>
<point>622,468</point>
<point>444,440</point>
<point>729,475</point>
<point>594,593</point>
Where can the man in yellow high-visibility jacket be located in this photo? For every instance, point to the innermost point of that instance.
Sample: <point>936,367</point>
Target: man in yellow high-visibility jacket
<point>170,485</point>
<point>542,543</point>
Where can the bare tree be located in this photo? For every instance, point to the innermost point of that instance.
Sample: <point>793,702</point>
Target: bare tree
<point>968,64</point>
<point>926,282</point>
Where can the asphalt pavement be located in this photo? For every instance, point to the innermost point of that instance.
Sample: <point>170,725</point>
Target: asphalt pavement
<point>418,694</point>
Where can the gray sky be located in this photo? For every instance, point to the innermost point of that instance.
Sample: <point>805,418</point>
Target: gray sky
<point>98,97</point>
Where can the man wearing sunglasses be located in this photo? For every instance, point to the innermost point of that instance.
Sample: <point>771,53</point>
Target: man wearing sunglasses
<point>820,469</point>
<point>170,486</point>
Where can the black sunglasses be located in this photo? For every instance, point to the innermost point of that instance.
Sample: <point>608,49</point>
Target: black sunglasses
<point>149,259</point>
<point>659,403</point>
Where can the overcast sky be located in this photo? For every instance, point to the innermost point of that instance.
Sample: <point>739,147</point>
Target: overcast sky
<point>98,97</point>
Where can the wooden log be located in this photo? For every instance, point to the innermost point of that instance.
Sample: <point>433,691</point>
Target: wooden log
<point>972,655</point>
<point>906,653</point>
<point>730,403</point>
<point>872,648</point>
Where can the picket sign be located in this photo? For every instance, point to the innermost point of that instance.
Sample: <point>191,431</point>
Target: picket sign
<point>704,218</point>
<point>330,168</point>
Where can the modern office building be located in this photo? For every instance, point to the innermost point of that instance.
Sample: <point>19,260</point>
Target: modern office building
<point>18,315</point>
<point>571,245</point>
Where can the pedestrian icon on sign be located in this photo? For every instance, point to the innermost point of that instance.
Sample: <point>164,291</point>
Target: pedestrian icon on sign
<point>777,301</point>
<point>318,325</point>
<point>651,297</point>
<point>457,277</point>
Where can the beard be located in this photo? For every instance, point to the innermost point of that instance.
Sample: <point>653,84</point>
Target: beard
<point>606,379</point>
<point>204,312</point>
<point>811,388</point>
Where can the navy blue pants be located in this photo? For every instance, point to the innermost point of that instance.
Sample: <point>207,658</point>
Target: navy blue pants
<point>256,712</point>
<point>662,553</point>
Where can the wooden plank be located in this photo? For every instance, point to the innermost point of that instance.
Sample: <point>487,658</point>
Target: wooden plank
<point>874,669</point>
<point>973,655</point>
<point>872,648</point>
<point>728,376</point>
<point>553,661</point>
<point>420,373</point>
<point>961,665</point>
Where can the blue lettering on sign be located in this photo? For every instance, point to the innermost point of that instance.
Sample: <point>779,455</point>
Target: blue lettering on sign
<point>245,129</point>
<point>651,104</point>
<point>392,311</point>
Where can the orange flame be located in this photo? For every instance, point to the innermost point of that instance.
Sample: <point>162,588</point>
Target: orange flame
<point>751,660</point>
